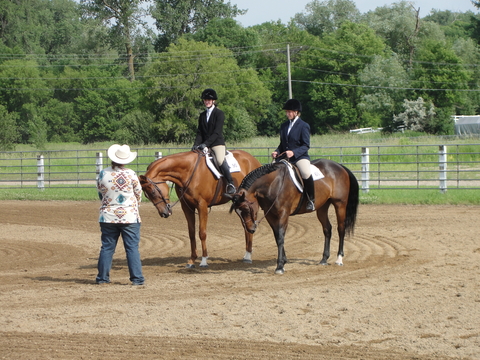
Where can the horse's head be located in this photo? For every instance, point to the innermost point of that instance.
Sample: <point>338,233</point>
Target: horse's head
<point>247,210</point>
<point>154,191</point>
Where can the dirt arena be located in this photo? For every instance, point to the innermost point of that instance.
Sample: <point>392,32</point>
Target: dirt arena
<point>410,288</point>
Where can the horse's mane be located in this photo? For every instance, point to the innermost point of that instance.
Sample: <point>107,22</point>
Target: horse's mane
<point>257,173</point>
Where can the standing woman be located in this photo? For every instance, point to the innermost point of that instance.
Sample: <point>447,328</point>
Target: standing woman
<point>120,193</point>
<point>210,135</point>
<point>294,143</point>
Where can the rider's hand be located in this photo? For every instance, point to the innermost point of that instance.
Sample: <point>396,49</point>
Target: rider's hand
<point>201,147</point>
<point>274,154</point>
<point>289,153</point>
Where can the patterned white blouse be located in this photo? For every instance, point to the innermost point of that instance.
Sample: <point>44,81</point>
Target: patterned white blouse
<point>121,193</point>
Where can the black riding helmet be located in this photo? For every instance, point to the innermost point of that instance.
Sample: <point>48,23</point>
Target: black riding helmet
<point>209,94</point>
<point>293,104</point>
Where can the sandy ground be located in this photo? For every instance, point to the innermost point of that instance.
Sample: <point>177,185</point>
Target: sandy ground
<point>410,288</point>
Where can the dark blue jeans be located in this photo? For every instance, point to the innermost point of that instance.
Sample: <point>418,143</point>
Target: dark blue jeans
<point>131,239</point>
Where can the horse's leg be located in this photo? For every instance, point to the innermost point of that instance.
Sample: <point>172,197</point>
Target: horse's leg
<point>247,258</point>
<point>341,211</point>
<point>190,216</point>
<point>322,215</point>
<point>279,228</point>
<point>202,230</point>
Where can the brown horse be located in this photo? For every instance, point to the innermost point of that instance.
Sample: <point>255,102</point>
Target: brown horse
<point>271,188</point>
<point>197,189</point>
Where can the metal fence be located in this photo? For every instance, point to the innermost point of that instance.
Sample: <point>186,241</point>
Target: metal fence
<point>379,167</point>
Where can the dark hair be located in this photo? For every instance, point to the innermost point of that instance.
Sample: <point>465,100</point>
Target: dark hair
<point>257,173</point>
<point>116,165</point>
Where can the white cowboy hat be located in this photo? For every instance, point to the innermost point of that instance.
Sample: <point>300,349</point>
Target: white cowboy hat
<point>121,154</point>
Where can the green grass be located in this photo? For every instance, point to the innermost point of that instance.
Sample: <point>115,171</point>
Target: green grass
<point>393,162</point>
<point>421,197</point>
<point>376,197</point>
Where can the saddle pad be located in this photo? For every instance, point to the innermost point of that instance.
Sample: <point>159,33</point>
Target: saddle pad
<point>231,161</point>
<point>316,175</point>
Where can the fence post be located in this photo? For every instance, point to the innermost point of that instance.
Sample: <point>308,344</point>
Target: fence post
<point>365,169</point>
<point>442,160</point>
<point>158,155</point>
<point>40,173</point>
<point>98,164</point>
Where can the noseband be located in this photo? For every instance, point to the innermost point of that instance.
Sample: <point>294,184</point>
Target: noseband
<point>163,199</point>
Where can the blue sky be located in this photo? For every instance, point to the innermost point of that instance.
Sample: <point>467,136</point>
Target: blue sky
<point>260,11</point>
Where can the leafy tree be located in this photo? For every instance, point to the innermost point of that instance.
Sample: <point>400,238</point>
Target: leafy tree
<point>41,26</point>
<point>136,127</point>
<point>326,16</point>
<point>244,42</point>
<point>8,129</point>
<point>418,116</point>
<point>177,78</point>
<point>174,18</point>
<point>455,25</point>
<point>36,125</point>
<point>328,77</point>
<point>440,72</point>
<point>103,107</point>
<point>469,53</point>
<point>274,40</point>
<point>386,80</point>
<point>398,24</point>
<point>21,84</point>
<point>123,17</point>
<point>62,121</point>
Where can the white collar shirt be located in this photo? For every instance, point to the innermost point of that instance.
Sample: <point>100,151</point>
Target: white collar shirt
<point>292,122</point>
<point>209,112</point>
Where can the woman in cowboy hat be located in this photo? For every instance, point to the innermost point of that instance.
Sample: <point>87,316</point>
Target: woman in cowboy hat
<point>120,192</point>
<point>294,144</point>
<point>210,135</point>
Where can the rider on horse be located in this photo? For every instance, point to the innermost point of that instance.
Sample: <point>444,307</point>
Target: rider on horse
<point>210,134</point>
<point>294,143</point>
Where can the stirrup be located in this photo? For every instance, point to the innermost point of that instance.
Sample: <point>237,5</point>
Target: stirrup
<point>231,189</point>
<point>310,205</point>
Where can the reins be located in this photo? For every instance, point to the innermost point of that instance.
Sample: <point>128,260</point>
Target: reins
<point>163,199</point>
<point>265,213</point>
<point>182,189</point>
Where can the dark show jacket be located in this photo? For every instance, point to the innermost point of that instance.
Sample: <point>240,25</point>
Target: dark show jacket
<point>297,141</point>
<point>211,133</point>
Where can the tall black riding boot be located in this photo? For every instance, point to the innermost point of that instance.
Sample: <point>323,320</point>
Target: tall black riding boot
<point>226,173</point>
<point>309,188</point>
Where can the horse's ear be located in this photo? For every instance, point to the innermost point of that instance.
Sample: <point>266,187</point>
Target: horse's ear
<point>142,179</point>
<point>234,199</point>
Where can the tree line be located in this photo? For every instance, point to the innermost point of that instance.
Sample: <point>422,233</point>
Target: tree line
<point>96,70</point>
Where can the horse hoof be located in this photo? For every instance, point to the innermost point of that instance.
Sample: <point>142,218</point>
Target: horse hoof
<point>324,263</point>
<point>190,266</point>
<point>339,264</point>
<point>279,271</point>
<point>204,266</point>
<point>247,261</point>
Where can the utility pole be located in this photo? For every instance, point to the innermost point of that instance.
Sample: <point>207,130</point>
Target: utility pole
<point>290,96</point>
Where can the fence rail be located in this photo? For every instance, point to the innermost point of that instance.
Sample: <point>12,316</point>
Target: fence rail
<point>379,167</point>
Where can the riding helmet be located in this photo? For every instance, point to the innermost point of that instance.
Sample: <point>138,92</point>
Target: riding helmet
<point>293,104</point>
<point>209,94</point>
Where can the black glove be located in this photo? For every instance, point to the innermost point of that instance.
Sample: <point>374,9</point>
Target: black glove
<point>194,147</point>
<point>201,147</point>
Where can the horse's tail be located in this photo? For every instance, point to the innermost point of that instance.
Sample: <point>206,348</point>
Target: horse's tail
<point>352,204</point>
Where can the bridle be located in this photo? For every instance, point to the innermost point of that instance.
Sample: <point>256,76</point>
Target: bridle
<point>162,198</point>
<point>183,189</point>
<point>265,213</point>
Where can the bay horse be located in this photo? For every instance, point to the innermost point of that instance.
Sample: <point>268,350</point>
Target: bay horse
<point>197,190</point>
<point>272,189</point>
